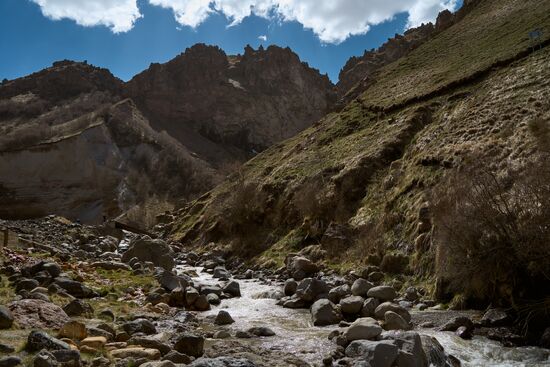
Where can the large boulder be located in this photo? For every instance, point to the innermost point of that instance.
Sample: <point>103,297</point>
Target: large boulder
<point>411,352</point>
<point>177,297</point>
<point>148,250</point>
<point>34,313</point>
<point>324,312</point>
<point>44,359</point>
<point>381,310</point>
<point>177,357</point>
<point>232,288</point>
<point>337,293</point>
<point>310,289</point>
<point>434,352</point>
<point>74,288</point>
<point>363,328</point>
<point>26,284</point>
<point>78,307</point>
<point>361,287</point>
<point>136,353</point>
<point>67,357</point>
<point>223,318</point>
<point>38,340</point>
<point>456,322</point>
<point>171,281</point>
<point>150,342</point>
<point>73,330</point>
<point>290,287</point>
<point>139,326</point>
<point>95,342</point>
<point>393,321</point>
<point>294,302</point>
<point>221,272</point>
<point>201,303</point>
<point>383,293</point>
<point>351,305</point>
<point>369,306</point>
<point>301,267</point>
<point>375,353</point>
<point>208,289</point>
<point>191,295</point>
<point>189,344</point>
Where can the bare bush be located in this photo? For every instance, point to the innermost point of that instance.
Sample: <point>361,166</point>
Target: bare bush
<point>493,233</point>
<point>246,205</point>
<point>308,201</point>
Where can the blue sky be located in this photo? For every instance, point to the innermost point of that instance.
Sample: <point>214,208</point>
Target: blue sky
<point>30,41</point>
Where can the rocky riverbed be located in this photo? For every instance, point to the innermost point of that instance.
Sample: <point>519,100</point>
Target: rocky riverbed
<point>74,295</point>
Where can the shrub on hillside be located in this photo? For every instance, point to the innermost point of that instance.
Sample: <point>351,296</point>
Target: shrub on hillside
<point>308,200</point>
<point>493,234</point>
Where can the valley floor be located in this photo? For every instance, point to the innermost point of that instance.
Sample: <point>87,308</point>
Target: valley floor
<point>75,295</point>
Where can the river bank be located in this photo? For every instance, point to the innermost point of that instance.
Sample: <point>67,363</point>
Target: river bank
<point>77,296</point>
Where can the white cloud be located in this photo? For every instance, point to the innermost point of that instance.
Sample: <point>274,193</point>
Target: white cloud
<point>332,21</point>
<point>187,12</point>
<point>118,15</point>
<point>263,37</point>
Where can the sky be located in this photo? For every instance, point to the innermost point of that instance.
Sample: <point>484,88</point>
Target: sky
<point>125,36</point>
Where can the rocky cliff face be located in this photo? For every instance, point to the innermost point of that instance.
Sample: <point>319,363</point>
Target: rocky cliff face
<point>231,105</point>
<point>73,143</point>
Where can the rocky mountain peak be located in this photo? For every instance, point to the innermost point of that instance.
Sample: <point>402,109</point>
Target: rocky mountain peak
<point>247,101</point>
<point>64,79</point>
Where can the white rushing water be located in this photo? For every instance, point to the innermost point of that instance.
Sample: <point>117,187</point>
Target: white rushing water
<point>483,352</point>
<point>295,333</point>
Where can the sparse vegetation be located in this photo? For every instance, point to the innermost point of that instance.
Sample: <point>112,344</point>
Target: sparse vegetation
<point>493,233</point>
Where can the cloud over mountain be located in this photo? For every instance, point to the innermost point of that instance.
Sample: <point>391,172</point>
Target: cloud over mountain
<point>332,21</point>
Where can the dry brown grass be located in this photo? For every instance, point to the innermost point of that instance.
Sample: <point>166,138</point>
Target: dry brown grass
<point>540,129</point>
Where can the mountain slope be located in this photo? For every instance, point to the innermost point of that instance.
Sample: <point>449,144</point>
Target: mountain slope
<point>357,186</point>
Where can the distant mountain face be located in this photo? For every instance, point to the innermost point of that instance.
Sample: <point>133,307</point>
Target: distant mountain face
<point>224,106</point>
<point>76,141</point>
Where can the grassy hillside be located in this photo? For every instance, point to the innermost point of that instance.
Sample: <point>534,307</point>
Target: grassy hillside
<point>363,185</point>
<point>492,32</point>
